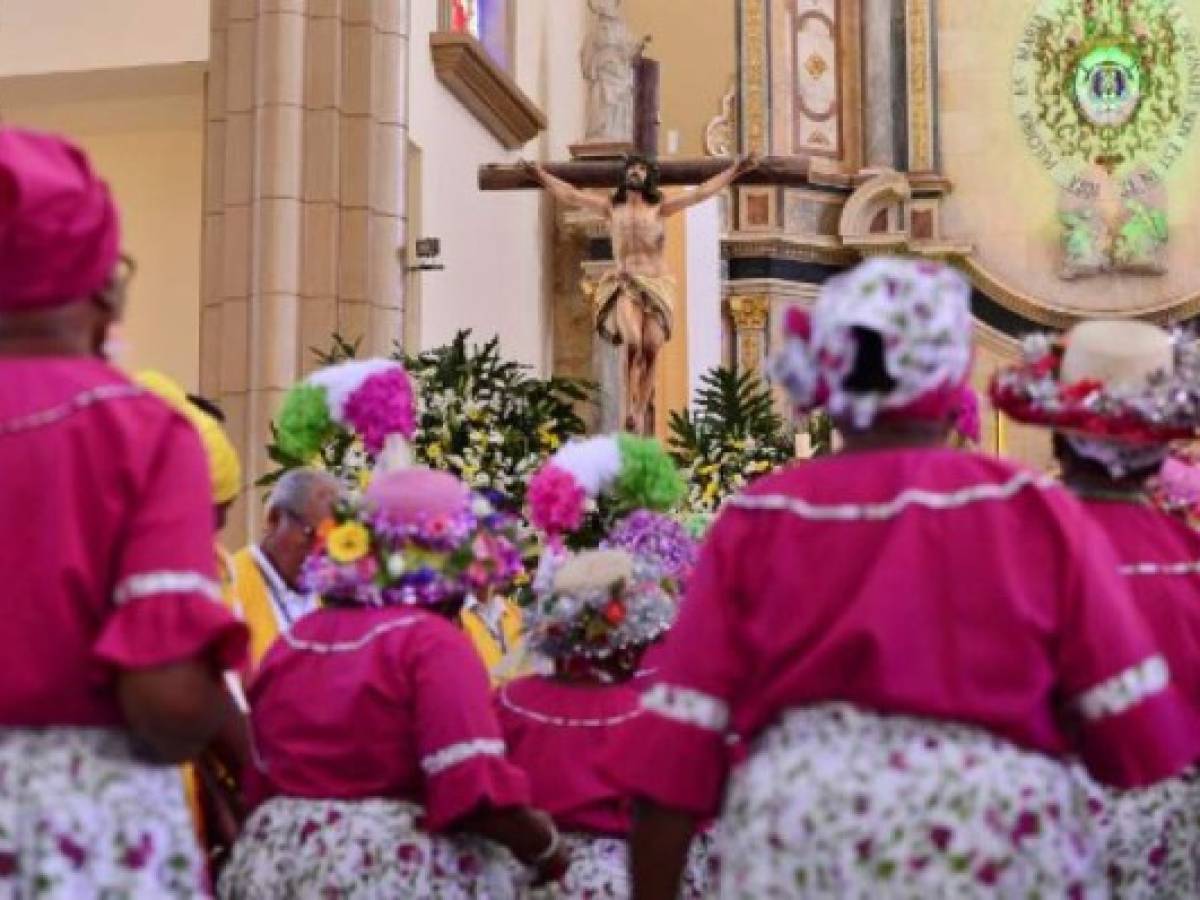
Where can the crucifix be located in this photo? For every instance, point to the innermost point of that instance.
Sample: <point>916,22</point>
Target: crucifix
<point>634,305</point>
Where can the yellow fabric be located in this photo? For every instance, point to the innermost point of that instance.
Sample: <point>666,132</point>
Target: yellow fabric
<point>252,601</point>
<point>490,650</point>
<point>656,293</point>
<point>224,466</point>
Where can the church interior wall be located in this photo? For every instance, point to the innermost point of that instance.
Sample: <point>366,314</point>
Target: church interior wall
<point>133,97</point>
<point>696,43</point>
<point>496,247</point>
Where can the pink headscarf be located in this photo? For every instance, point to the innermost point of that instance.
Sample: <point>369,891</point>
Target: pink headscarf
<point>59,232</point>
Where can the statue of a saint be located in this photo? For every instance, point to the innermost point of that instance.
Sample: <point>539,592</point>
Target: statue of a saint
<point>635,303</point>
<point>608,57</point>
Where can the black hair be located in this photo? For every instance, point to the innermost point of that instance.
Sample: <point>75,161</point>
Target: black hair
<point>650,192</point>
<point>869,374</point>
<point>207,406</point>
<point>1071,460</point>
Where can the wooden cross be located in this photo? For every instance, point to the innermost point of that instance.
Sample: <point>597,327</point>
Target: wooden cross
<point>786,171</point>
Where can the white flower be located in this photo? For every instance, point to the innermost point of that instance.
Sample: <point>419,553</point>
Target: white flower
<point>396,566</point>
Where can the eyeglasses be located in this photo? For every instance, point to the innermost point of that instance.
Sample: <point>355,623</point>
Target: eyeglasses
<point>310,531</point>
<point>116,293</point>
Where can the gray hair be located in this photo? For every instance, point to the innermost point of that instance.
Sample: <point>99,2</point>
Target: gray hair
<point>293,491</point>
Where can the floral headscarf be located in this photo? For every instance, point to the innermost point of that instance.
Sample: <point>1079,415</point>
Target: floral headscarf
<point>922,312</point>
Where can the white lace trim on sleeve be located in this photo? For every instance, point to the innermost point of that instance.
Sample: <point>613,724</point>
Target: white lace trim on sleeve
<point>456,754</point>
<point>687,706</point>
<point>153,584</point>
<point>1124,691</point>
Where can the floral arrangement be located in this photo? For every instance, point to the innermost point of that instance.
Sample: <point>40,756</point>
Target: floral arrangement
<point>345,416</point>
<point>478,416</point>
<point>626,472</point>
<point>733,436</point>
<point>486,419</point>
<point>374,555</point>
<point>597,604</point>
<point>660,540</point>
<point>1165,409</point>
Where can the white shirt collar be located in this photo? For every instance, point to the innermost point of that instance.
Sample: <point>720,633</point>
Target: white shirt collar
<point>287,605</point>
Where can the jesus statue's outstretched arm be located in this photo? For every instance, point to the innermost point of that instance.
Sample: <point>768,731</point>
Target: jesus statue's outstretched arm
<point>564,192</point>
<point>710,188</point>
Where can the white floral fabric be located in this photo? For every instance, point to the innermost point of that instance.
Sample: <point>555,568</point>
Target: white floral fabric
<point>1154,848</point>
<point>600,870</point>
<point>81,817</point>
<point>838,802</point>
<point>294,849</point>
<point>920,309</point>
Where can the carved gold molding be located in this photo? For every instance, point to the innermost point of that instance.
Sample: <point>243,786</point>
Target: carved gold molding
<point>751,313</point>
<point>1051,315</point>
<point>920,86</point>
<point>470,74</point>
<point>755,133</point>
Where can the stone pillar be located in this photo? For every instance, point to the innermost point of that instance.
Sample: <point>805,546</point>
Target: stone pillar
<point>306,137</point>
<point>751,314</point>
<point>884,114</point>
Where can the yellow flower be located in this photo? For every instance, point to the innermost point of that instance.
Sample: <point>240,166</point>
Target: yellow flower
<point>434,451</point>
<point>364,479</point>
<point>349,542</point>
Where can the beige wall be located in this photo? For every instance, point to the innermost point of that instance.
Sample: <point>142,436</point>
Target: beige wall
<point>144,132</point>
<point>696,42</point>
<point>40,36</point>
<point>495,246</point>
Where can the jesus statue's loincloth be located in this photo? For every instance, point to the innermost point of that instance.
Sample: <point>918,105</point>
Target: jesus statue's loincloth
<point>655,294</point>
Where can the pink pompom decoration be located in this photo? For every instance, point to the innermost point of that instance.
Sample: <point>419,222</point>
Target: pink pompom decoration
<point>556,500</point>
<point>381,407</point>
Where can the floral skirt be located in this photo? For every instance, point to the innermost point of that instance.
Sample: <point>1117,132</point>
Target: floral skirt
<point>600,870</point>
<point>80,817</point>
<point>1154,844</point>
<point>359,850</point>
<point>838,802</point>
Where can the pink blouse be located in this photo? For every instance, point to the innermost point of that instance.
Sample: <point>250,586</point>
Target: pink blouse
<point>391,703</point>
<point>558,733</point>
<point>107,551</point>
<point>930,583</point>
<point>1160,559</point>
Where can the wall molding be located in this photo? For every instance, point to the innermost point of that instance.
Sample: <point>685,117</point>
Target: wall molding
<point>464,66</point>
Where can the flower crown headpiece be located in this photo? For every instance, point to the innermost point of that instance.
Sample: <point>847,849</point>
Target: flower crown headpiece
<point>1165,408</point>
<point>377,552</point>
<point>661,542</point>
<point>370,402</point>
<point>637,472</point>
<point>920,310</point>
<point>597,604</point>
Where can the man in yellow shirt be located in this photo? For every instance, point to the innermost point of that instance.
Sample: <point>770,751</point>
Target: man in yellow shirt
<point>266,574</point>
<point>496,628</point>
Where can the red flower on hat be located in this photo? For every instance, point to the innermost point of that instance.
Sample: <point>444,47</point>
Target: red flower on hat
<point>798,323</point>
<point>1081,390</point>
<point>614,613</point>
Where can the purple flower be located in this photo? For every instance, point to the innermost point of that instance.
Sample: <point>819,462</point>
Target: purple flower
<point>381,407</point>
<point>659,540</point>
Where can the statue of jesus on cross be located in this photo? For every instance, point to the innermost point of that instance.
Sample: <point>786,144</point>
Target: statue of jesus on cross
<point>635,304</point>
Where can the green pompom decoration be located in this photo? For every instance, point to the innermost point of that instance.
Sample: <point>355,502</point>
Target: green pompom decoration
<point>304,425</point>
<point>648,477</point>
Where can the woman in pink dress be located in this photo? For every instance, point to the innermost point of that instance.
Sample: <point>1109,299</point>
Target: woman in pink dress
<point>381,768</point>
<point>114,637</point>
<point>1118,394</point>
<point>594,619</point>
<point>911,641</point>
